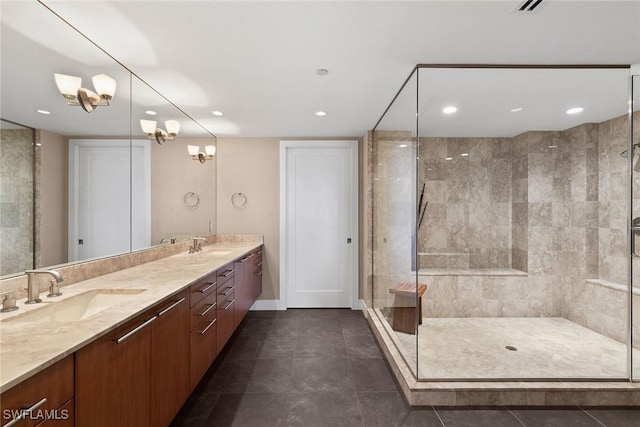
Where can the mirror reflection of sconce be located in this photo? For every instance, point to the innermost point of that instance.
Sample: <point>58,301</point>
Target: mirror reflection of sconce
<point>160,135</point>
<point>196,154</point>
<point>71,88</point>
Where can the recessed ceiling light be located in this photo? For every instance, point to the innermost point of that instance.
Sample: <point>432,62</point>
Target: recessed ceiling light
<point>449,109</point>
<point>516,110</point>
<point>322,71</point>
<point>217,113</point>
<point>448,158</point>
<point>402,145</point>
<point>151,112</point>
<point>575,110</point>
<point>321,113</point>
<point>43,111</point>
<point>464,154</point>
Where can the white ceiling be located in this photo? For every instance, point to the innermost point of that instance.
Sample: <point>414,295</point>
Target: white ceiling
<point>257,61</point>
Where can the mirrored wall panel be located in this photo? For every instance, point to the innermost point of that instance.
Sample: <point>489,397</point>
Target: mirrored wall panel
<point>97,181</point>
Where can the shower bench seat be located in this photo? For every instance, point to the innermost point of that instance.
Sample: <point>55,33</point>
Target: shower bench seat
<point>404,306</point>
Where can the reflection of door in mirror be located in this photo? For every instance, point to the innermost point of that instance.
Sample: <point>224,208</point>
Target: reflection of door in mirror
<point>103,200</point>
<point>16,198</point>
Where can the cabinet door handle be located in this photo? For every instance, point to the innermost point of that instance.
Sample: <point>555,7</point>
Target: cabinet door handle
<point>206,288</point>
<point>227,292</point>
<point>229,305</point>
<point>245,259</point>
<point>135,330</point>
<point>260,263</point>
<point>259,252</point>
<point>211,307</point>
<point>171,307</point>
<point>227,273</point>
<point>260,273</point>
<point>211,323</point>
<point>24,412</point>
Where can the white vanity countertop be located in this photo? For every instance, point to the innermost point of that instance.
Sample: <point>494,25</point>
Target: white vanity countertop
<point>26,348</point>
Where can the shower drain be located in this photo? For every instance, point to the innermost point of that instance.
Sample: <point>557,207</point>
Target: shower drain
<point>511,348</point>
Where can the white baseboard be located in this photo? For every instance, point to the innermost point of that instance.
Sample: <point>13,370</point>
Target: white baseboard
<point>276,304</point>
<point>267,304</point>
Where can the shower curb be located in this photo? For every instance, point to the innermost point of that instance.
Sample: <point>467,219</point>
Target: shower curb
<point>507,393</point>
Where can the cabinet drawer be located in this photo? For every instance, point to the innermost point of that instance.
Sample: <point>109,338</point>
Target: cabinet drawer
<point>62,417</point>
<point>202,350</point>
<point>224,274</point>
<point>204,310</point>
<point>225,293</point>
<point>202,288</point>
<point>55,384</point>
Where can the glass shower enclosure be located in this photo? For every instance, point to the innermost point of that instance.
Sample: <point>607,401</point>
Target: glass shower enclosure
<point>504,201</point>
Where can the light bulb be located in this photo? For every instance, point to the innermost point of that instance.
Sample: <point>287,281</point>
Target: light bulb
<point>148,126</point>
<point>193,149</point>
<point>173,127</point>
<point>210,150</point>
<point>104,85</point>
<point>68,85</point>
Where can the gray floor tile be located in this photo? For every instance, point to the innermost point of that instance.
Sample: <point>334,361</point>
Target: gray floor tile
<point>389,409</point>
<point>554,417</point>
<point>196,410</point>
<point>324,408</point>
<point>361,346</point>
<point>477,417</point>
<point>616,417</point>
<point>321,346</point>
<point>271,376</point>
<point>250,409</point>
<point>316,374</point>
<point>372,375</point>
<point>355,326</point>
<point>240,376</point>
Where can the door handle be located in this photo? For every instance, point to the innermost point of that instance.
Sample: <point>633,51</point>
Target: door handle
<point>635,232</point>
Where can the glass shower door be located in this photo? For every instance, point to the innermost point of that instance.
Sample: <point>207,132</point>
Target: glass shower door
<point>634,295</point>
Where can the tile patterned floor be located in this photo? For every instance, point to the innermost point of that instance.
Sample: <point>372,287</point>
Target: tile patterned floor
<point>324,368</point>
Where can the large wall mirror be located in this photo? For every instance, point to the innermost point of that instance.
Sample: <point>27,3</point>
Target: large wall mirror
<point>78,185</point>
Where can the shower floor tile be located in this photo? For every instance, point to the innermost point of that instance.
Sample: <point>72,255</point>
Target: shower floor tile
<point>541,348</point>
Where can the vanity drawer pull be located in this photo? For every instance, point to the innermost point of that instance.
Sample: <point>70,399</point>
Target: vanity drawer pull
<point>211,323</point>
<point>245,259</point>
<point>206,288</point>
<point>259,273</point>
<point>229,305</point>
<point>227,291</point>
<point>135,330</point>
<point>260,263</point>
<point>171,307</point>
<point>259,252</point>
<point>227,273</point>
<point>211,307</point>
<point>25,412</point>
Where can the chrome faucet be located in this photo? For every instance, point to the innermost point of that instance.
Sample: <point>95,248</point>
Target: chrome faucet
<point>33,290</point>
<point>197,246</point>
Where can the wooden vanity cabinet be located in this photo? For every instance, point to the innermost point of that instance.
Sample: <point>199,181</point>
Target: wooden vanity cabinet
<point>138,374</point>
<point>256,284</point>
<point>169,359</point>
<point>55,384</point>
<point>243,288</point>
<point>226,300</point>
<point>203,347</point>
<point>113,377</point>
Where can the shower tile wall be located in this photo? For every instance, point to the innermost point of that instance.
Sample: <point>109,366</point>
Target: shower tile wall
<point>468,219</point>
<point>16,200</point>
<point>393,201</point>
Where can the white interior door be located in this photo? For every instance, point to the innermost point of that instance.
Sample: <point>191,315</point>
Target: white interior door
<point>320,217</point>
<point>100,197</point>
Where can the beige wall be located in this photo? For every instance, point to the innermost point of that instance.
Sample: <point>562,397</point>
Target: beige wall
<point>173,174</point>
<point>252,166</point>
<point>53,198</point>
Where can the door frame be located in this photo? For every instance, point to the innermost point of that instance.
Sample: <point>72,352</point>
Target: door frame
<point>74,146</point>
<point>315,144</point>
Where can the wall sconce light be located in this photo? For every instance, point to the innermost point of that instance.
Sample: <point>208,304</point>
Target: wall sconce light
<point>70,88</point>
<point>196,154</point>
<point>160,135</point>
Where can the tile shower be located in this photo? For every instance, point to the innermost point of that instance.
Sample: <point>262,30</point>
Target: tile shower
<point>523,245</point>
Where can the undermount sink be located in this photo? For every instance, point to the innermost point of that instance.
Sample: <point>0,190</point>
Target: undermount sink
<point>220,253</point>
<point>77,307</point>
